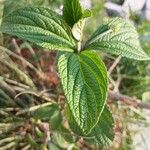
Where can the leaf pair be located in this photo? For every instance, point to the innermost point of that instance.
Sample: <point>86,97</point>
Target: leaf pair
<point>49,30</point>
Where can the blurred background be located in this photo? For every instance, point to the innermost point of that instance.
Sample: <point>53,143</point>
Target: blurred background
<point>30,85</point>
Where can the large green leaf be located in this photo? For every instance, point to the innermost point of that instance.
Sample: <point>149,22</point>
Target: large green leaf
<point>117,36</point>
<point>40,26</point>
<point>84,80</point>
<point>72,11</point>
<point>102,134</point>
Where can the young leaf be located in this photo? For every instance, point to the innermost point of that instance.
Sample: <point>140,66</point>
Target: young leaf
<point>77,30</point>
<point>40,26</point>
<point>117,36</point>
<point>72,11</point>
<point>84,80</point>
<point>102,134</point>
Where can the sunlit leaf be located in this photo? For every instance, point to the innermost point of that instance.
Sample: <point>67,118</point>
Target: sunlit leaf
<point>41,26</point>
<point>117,36</point>
<point>84,80</point>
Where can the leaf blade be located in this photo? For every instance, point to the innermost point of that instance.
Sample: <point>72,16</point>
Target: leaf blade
<point>102,134</point>
<point>39,25</point>
<point>85,88</point>
<point>119,37</point>
<point>72,11</point>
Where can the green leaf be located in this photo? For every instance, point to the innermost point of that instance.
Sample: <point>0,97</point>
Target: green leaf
<point>40,26</point>
<point>72,122</point>
<point>11,5</point>
<point>102,134</point>
<point>84,80</point>
<point>86,13</point>
<point>49,114</point>
<point>32,142</point>
<point>59,140</point>
<point>72,11</point>
<point>52,146</point>
<point>77,30</point>
<point>66,134</point>
<point>117,36</point>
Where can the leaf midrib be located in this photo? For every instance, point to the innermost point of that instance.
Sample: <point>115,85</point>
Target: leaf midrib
<point>45,31</point>
<point>94,96</point>
<point>48,18</point>
<point>133,52</point>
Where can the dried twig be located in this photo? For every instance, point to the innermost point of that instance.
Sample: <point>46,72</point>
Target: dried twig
<point>113,66</point>
<point>33,108</point>
<point>9,52</point>
<point>128,100</point>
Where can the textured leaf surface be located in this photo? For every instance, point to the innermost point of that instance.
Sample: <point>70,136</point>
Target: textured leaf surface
<point>77,30</point>
<point>49,114</point>
<point>40,26</point>
<point>72,11</point>
<point>102,134</point>
<point>119,37</point>
<point>84,80</point>
<point>11,5</point>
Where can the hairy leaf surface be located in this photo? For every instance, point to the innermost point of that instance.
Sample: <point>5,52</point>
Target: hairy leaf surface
<point>84,80</point>
<point>119,37</point>
<point>41,26</point>
<point>102,134</point>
